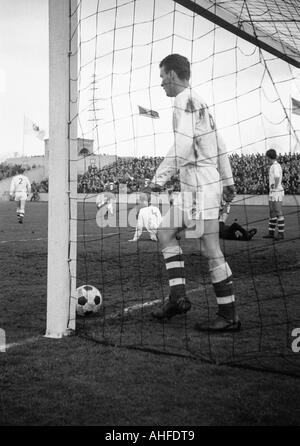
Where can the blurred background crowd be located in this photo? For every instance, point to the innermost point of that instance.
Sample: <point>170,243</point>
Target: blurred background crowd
<point>250,174</point>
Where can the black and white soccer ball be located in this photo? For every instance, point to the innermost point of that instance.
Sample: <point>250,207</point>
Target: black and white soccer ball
<point>89,300</point>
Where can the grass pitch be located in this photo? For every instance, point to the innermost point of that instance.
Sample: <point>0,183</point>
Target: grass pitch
<point>78,382</point>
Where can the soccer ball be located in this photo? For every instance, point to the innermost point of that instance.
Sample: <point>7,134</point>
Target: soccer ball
<point>89,300</point>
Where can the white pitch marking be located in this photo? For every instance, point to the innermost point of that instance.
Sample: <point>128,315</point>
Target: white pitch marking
<point>126,311</point>
<point>147,304</point>
<point>26,341</point>
<point>46,238</point>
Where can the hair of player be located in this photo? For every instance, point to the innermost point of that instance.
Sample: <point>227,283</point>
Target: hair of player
<point>179,64</point>
<point>271,153</point>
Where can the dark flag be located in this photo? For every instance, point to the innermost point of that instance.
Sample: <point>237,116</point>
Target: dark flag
<point>148,113</point>
<point>295,106</point>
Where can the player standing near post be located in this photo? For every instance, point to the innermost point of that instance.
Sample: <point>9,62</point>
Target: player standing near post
<point>276,194</point>
<point>204,166</point>
<point>20,188</point>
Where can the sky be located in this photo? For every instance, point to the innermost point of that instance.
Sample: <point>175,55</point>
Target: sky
<point>125,41</point>
<point>23,73</point>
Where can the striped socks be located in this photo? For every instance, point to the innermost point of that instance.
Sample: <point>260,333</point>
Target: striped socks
<point>175,270</point>
<point>280,224</point>
<point>272,225</point>
<point>221,277</point>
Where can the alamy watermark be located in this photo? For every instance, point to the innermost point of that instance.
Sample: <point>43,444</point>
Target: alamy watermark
<point>296,342</point>
<point>184,209</point>
<point>2,341</point>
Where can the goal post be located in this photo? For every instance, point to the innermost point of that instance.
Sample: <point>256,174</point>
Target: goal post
<point>62,204</point>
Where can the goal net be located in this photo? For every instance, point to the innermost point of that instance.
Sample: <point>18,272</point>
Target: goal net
<point>115,124</point>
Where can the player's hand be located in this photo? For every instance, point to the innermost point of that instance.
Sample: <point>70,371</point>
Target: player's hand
<point>228,193</point>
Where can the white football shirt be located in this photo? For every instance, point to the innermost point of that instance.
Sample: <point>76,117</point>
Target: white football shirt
<point>149,218</point>
<point>20,183</point>
<point>198,151</point>
<point>275,172</point>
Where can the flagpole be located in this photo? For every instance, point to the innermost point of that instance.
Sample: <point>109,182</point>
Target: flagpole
<point>136,133</point>
<point>23,144</point>
<point>291,124</point>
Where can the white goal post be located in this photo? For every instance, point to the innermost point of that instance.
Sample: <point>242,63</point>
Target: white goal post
<point>62,204</point>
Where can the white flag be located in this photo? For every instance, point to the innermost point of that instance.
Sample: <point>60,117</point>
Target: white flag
<point>31,128</point>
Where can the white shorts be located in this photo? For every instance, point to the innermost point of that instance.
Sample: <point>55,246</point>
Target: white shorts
<point>207,180</point>
<point>276,196</point>
<point>178,217</point>
<point>20,196</point>
<point>212,196</point>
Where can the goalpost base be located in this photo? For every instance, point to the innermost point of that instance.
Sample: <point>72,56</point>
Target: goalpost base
<point>54,335</point>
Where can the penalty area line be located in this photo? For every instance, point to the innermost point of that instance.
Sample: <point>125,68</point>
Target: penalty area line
<point>21,343</point>
<point>113,316</point>
<point>149,303</point>
<point>2,242</point>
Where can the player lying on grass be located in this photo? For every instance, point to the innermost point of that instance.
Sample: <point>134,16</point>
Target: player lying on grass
<point>20,189</point>
<point>234,231</point>
<point>149,217</point>
<point>201,157</point>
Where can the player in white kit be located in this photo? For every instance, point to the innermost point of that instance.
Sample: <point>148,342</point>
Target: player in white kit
<point>276,194</point>
<point>20,188</point>
<point>201,157</point>
<point>149,217</point>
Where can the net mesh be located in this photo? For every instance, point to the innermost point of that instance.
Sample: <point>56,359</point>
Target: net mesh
<point>125,129</point>
<point>275,23</point>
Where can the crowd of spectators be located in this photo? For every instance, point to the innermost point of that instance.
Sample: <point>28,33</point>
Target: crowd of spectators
<point>40,187</point>
<point>9,170</point>
<point>250,174</point>
<point>133,172</point>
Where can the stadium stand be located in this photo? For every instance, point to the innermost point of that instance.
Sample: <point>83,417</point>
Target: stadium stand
<point>250,173</point>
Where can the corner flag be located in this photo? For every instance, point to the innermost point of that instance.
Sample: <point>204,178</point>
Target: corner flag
<point>31,128</point>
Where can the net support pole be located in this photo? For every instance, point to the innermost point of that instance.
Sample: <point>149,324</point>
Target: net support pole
<point>62,174</point>
<point>73,157</point>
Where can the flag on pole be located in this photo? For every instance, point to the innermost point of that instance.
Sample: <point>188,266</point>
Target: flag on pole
<point>148,113</point>
<point>295,106</point>
<point>31,128</point>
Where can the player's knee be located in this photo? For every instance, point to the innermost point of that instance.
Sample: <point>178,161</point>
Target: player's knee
<point>214,255</point>
<point>215,261</point>
<point>165,238</point>
<point>203,250</point>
